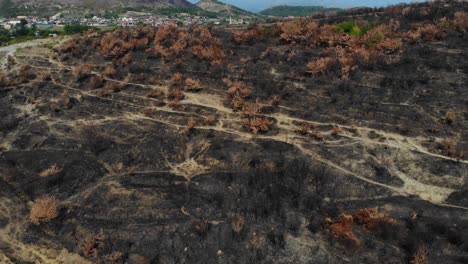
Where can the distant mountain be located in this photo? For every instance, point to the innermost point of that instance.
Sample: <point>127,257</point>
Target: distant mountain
<point>79,8</point>
<point>102,4</point>
<point>284,10</point>
<point>221,8</point>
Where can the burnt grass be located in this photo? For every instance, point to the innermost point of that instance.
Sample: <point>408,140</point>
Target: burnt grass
<point>162,191</point>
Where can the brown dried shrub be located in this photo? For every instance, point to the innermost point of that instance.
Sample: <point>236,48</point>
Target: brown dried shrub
<point>191,123</point>
<point>341,229</point>
<point>125,60</point>
<point>155,94</point>
<point>420,256</point>
<point>237,103</point>
<point>96,82</point>
<point>257,124</point>
<point>177,80</point>
<point>115,257</point>
<point>238,223</point>
<point>192,85</point>
<point>461,20</point>
<point>450,117</point>
<point>298,30</point>
<point>248,36</point>
<point>425,32</point>
<point>449,147</point>
<point>110,71</point>
<point>92,244</point>
<point>175,95</point>
<point>212,53</point>
<point>319,66</point>
<point>370,218</point>
<point>336,131</point>
<point>200,226</point>
<point>82,72</point>
<point>52,170</point>
<point>210,120</point>
<point>251,109</point>
<point>239,89</point>
<point>4,81</point>
<point>43,210</point>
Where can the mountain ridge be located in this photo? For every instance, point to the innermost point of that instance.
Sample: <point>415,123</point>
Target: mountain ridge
<point>220,7</point>
<point>101,4</point>
<point>290,10</point>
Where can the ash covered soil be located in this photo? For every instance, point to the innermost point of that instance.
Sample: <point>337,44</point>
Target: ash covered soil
<point>293,142</point>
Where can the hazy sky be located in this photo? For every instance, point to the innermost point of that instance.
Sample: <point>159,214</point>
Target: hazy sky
<point>257,5</point>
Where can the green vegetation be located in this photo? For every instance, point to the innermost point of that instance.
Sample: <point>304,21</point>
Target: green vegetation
<point>21,33</point>
<point>351,28</point>
<point>284,10</point>
<point>7,9</point>
<point>76,29</point>
<point>178,10</point>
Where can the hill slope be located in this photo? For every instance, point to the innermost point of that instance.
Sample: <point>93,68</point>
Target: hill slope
<point>265,144</point>
<point>284,10</point>
<point>221,8</point>
<point>103,3</point>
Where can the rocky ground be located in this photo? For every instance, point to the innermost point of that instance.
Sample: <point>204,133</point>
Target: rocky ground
<point>141,180</point>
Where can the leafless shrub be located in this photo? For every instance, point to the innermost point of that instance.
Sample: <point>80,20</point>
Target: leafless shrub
<point>155,94</point>
<point>191,123</point>
<point>420,257</point>
<point>81,72</point>
<point>257,124</point>
<point>450,117</point>
<point>43,210</point>
<point>319,66</point>
<point>192,85</point>
<point>52,170</point>
<point>238,223</point>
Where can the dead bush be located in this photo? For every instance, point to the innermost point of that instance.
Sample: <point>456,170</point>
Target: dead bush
<point>257,124</point>
<point>298,30</point>
<point>43,210</point>
<point>449,147</point>
<point>247,36</point>
<point>95,82</point>
<point>191,123</point>
<point>251,109</point>
<point>177,80</point>
<point>4,81</point>
<point>450,117</point>
<point>239,89</point>
<point>420,256</point>
<point>210,120</point>
<point>114,257</point>
<point>237,223</point>
<point>319,66</point>
<point>89,248</point>
<point>175,95</point>
<point>200,226</point>
<point>155,94</point>
<point>110,71</point>
<point>192,85</point>
<point>461,21</point>
<point>52,170</point>
<point>82,72</point>
<point>341,229</point>
<point>371,218</point>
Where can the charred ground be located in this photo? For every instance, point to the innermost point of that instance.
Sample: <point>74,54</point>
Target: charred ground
<point>324,140</point>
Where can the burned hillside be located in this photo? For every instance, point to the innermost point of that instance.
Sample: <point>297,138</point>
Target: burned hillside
<point>321,140</point>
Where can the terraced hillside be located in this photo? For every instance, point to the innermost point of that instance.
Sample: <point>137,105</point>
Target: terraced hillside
<point>309,141</point>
